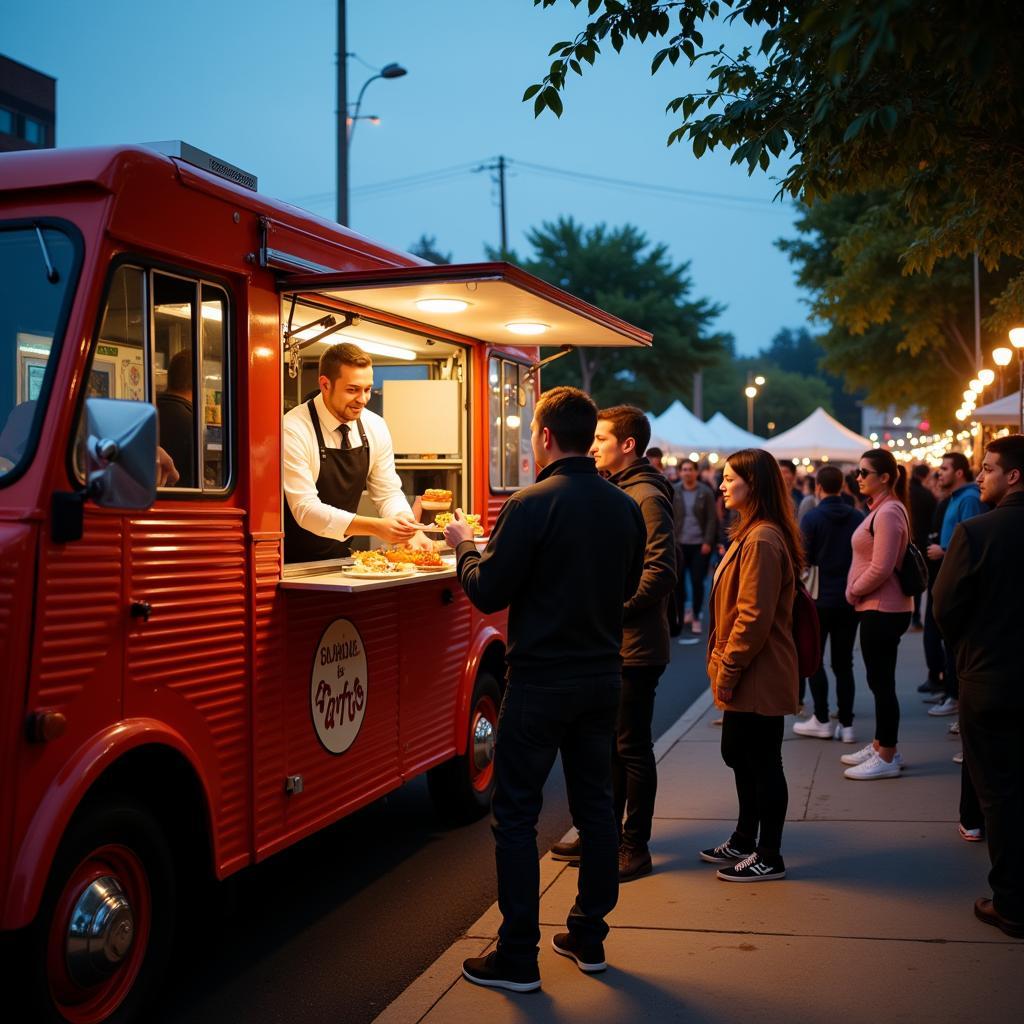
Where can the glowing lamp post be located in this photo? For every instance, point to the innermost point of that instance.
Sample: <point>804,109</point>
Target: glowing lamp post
<point>1001,357</point>
<point>1017,341</point>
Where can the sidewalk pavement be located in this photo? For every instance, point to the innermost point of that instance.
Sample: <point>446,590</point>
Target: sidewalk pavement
<point>875,915</point>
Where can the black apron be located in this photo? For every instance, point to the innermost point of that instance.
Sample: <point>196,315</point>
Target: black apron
<point>341,481</point>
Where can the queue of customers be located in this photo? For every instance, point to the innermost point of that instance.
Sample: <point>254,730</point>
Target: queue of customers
<point>588,641</point>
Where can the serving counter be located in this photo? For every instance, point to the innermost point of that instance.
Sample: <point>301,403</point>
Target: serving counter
<point>329,576</point>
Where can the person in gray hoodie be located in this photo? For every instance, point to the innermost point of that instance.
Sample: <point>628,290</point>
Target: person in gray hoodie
<point>622,435</point>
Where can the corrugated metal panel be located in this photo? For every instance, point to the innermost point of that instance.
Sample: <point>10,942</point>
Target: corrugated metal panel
<point>79,621</point>
<point>337,783</point>
<point>269,747</point>
<point>494,506</point>
<point>191,568</point>
<point>434,643</point>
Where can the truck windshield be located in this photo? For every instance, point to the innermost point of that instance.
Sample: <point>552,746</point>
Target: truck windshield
<point>37,266</point>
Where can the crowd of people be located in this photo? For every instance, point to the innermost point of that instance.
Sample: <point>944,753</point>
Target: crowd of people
<point>589,638</point>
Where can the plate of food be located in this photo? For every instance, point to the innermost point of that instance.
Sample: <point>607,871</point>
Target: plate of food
<point>375,565</point>
<point>436,499</point>
<point>422,561</point>
<point>442,519</point>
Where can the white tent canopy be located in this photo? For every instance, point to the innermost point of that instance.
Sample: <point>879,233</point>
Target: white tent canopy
<point>731,438</point>
<point>818,437</point>
<point>1003,412</point>
<point>678,430</point>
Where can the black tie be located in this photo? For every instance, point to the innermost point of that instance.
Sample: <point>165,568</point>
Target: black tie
<point>345,442</point>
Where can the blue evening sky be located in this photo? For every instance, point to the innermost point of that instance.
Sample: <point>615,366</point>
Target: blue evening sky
<point>254,83</point>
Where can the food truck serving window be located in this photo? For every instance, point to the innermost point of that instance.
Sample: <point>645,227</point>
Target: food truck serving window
<point>37,268</point>
<point>511,404</point>
<point>163,339</point>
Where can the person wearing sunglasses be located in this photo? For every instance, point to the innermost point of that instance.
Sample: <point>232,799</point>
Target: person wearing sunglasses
<point>879,545</point>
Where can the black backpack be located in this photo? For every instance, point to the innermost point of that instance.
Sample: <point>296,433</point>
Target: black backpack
<point>912,571</point>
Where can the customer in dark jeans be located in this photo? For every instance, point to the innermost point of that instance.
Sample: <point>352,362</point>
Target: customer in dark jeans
<point>622,432</point>
<point>979,608</point>
<point>549,561</point>
<point>934,649</point>
<point>696,524</point>
<point>922,509</point>
<point>827,531</point>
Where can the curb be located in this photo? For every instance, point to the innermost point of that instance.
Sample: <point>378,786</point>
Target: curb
<point>433,984</point>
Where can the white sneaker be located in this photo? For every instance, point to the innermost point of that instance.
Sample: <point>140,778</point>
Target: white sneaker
<point>845,734</point>
<point>874,768</point>
<point>812,727</point>
<point>860,756</point>
<point>958,758</point>
<point>948,707</point>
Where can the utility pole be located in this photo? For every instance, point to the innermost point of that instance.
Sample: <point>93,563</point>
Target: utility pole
<point>978,362</point>
<point>698,394</point>
<point>499,166</point>
<point>341,119</point>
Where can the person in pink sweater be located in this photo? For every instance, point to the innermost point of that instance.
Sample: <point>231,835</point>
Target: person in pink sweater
<point>879,546</point>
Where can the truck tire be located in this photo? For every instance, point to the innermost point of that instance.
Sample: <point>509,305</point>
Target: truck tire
<point>461,788</point>
<point>100,942</point>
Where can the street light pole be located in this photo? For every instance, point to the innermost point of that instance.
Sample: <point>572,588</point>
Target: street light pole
<point>341,156</point>
<point>1017,341</point>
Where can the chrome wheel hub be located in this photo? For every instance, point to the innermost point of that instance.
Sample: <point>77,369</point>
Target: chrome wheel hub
<point>100,931</point>
<point>483,743</point>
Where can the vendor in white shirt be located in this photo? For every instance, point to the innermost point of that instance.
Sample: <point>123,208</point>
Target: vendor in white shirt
<point>334,449</point>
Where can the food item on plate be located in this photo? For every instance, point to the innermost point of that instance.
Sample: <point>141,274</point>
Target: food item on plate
<point>414,556</point>
<point>377,562</point>
<point>436,498</point>
<point>442,519</point>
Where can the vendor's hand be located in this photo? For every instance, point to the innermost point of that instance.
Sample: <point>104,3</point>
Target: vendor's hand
<point>705,549</point>
<point>166,472</point>
<point>398,529</point>
<point>420,541</point>
<point>458,530</point>
<point>935,552</point>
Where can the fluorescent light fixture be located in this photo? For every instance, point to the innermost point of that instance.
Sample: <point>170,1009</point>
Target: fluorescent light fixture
<point>380,348</point>
<point>31,350</point>
<point>441,305</point>
<point>525,327</point>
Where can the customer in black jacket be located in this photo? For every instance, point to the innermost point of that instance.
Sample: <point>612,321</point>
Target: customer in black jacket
<point>922,508</point>
<point>827,532</point>
<point>564,556</point>
<point>979,606</point>
<point>622,432</point>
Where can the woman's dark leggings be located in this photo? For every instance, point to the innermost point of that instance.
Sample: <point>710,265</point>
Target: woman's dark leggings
<point>880,634</point>
<point>752,748</point>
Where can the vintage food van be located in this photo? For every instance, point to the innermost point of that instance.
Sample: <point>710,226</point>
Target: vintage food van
<point>176,699</point>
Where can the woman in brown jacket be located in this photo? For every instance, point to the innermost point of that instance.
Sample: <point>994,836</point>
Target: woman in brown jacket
<point>752,662</point>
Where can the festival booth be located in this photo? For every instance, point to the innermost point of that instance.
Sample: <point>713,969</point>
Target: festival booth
<point>732,438</point>
<point>1004,412</point>
<point>679,432</point>
<point>820,438</point>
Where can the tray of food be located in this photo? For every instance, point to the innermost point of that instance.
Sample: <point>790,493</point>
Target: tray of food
<point>423,561</point>
<point>436,499</point>
<point>375,565</point>
<point>442,519</point>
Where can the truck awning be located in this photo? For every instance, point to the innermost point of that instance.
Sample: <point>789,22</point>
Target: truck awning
<point>494,302</point>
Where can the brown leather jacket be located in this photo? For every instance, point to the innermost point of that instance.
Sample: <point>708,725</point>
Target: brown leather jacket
<point>750,642</point>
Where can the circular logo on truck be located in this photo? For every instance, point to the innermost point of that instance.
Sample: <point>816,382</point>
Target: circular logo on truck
<point>337,686</point>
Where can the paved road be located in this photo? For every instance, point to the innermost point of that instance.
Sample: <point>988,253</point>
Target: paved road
<point>333,929</point>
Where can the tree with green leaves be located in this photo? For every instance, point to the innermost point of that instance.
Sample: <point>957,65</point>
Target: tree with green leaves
<point>620,271</point>
<point>426,248</point>
<point>905,339</point>
<point>919,99</point>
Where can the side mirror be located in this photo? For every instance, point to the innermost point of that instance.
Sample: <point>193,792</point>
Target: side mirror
<point>120,452</point>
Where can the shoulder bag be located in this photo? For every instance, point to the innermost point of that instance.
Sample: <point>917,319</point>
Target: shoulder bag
<point>912,571</point>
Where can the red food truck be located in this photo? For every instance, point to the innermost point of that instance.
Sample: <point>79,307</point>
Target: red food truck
<point>177,701</point>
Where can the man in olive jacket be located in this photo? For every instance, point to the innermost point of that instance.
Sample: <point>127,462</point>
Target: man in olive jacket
<point>623,432</point>
<point>978,603</point>
<point>564,555</point>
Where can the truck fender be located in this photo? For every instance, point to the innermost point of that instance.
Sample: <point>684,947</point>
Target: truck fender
<point>481,642</point>
<point>65,794</point>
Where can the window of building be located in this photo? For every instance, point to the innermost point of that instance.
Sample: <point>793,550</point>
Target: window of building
<point>33,131</point>
<point>511,403</point>
<point>6,121</point>
<point>163,339</point>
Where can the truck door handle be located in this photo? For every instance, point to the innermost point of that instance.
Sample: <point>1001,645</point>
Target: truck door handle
<point>141,610</point>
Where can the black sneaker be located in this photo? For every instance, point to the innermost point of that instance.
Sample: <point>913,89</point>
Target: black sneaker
<point>493,972</point>
<point>724,853</point>
<point>569,852</point>
<point>589,958</point>
<point>753,869</point>
<point>930,686</point>
<point>634,862</point>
